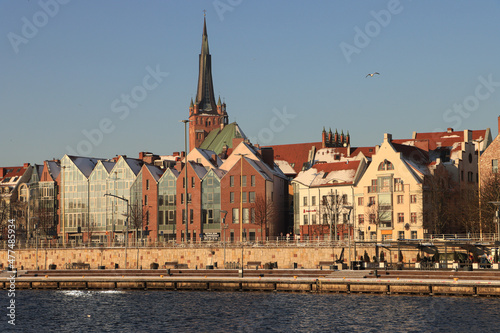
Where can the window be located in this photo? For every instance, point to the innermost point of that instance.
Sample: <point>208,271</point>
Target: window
<point>313,219</point>
<point>189,197</point>
<point>373,187</point>
<point>146,200</point>
<point>246,215</point>
<point>210,216</point>
<point>244,197</point>
<point>361,201</point>
<point>183,216</point>
<point>385,165</point>
<point>182,198</point>
<point>251,197</point>
<point>413,218</point>
<point>191,216</point>
<point>413,235</point>
<point>183,182</point>
<point>361,218</point>
<point>325,218</point>
<point>400,199</point>
<point>306,219</point>
<point>236,215</point>
<point>494,166</point>
<point>252,215</point>
<point>252,180</point>
<point>362,235</point>
<point>373,235</point>
<point>210,197</point>
<point>313,200</point>
<point>160,200</point>
<point>147,184</point>
<point>192,182</point>
<point>344,199</point>
<point>231,197</point>
<point>210,181</point>
<point>401,235</point>
<point>244,181</point>
<point>371,201</point>
<point>401,217</point>
<point>171,199</point>
<point>171,217</point>
<point>372,218</point>
<point>398,185</point>
<point>231,181</point>
<point>413,198</point>
<point>305,201</point>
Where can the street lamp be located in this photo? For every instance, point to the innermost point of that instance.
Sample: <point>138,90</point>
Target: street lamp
<point>479,184</point>
<point>497,216</point>
<point>241,197</point>
<point>185,121</point>
<point>224,226</point>
<point>126,222</point>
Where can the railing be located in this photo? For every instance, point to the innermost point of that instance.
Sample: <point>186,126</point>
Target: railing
<point>490,237</point>
<point>275,242</point>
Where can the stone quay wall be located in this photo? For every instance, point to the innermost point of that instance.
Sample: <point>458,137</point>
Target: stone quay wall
<point>285,257</point>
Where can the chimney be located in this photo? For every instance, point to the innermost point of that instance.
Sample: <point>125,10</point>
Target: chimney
<point>387,137</point>
<point>467,136</point>
<point>449,130</point>
<point>2,170</point>
<point>26,165</point>
<point>214,159</point>
<point>268,156</point>
<point>178,166</point>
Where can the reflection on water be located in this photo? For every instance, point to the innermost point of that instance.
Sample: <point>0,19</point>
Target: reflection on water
<point>175,311</point>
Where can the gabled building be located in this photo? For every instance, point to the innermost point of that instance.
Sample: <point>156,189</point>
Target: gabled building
<point>324,199</point>
<point>389,198</point>
<point>167,205</point>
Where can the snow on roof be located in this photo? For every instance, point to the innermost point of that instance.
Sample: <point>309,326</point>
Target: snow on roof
<point>329,173</point>
<point>285,167</point>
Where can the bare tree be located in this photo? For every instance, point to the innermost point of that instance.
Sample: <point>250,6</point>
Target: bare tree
<point>138,215</point>
<point>265,213</point>
<point>490,191</point>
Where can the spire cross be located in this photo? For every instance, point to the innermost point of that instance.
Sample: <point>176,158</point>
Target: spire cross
<point>204,13</point>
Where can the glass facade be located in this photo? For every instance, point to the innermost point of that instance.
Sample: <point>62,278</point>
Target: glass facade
<point>167,189</point>
<point>210,205</point>
<point>97,202</point>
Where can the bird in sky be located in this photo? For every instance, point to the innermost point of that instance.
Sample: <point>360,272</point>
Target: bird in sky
<point>371,75</point>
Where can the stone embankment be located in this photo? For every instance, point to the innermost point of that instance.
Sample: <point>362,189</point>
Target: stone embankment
<point>443,282</point>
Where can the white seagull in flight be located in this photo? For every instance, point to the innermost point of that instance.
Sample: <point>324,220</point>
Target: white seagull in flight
<point>371,75</point>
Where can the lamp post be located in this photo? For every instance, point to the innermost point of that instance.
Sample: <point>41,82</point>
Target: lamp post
<point>185,121</point>
<point>241,199</point>
<point>126,222</point>
<point>479,185</point>
<point>497,217</point>
<point>224,227</point>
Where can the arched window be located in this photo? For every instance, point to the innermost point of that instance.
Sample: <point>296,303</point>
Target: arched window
<point>385,165</point>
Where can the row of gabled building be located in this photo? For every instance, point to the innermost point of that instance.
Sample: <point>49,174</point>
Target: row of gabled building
<point>227,188</point>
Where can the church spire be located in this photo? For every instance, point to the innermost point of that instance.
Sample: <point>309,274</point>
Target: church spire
<point>205,99</point>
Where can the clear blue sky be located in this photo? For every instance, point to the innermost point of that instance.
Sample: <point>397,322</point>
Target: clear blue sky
<point>310,59</point>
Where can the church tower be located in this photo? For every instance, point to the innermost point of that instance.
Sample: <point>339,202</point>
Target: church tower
<point>205,114</point>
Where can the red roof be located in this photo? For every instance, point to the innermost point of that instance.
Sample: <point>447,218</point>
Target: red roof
<point>296,154</point>
<point>448,138</point>
<point>337,166</point>
<point>9,172</point>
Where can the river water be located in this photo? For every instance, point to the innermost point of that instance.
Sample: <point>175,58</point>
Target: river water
<point>204,311</point>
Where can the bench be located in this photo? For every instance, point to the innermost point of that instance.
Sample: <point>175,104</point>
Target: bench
<point>80,265</point>
<point>253,263</point>
<point>170,264</point>
<point>325,263</point>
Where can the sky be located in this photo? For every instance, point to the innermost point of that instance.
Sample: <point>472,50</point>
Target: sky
<point>101,78</point>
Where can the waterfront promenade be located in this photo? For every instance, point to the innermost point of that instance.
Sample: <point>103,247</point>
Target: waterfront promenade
<point>432,283</point>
